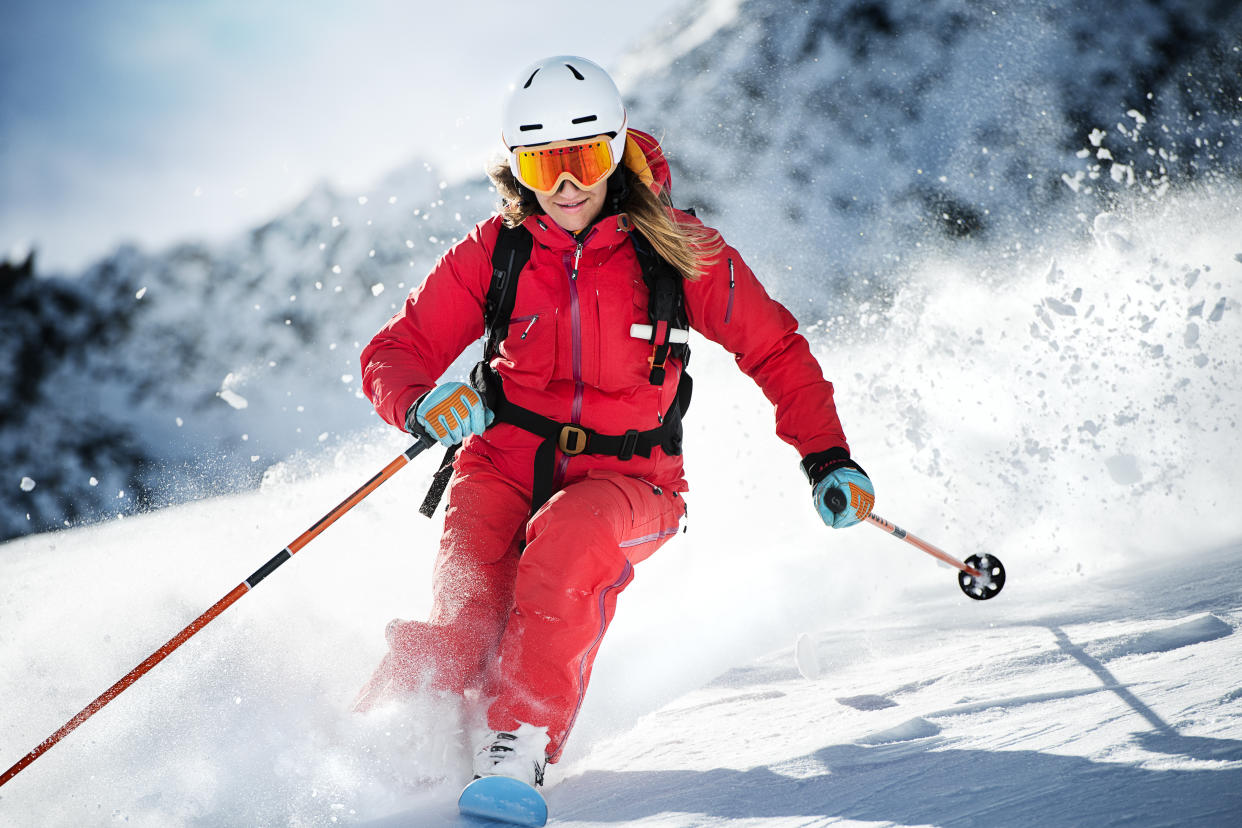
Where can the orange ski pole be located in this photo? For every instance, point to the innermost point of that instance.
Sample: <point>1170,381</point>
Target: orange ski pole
<point>982,576</point>
<point>220,606</point>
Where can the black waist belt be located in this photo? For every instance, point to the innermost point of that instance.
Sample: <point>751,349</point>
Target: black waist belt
<point>573,440</point>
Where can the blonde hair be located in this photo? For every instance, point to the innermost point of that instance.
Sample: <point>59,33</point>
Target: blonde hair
<point>688,247</point>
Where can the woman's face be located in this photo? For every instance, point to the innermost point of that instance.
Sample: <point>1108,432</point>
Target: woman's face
<point>572,208</point>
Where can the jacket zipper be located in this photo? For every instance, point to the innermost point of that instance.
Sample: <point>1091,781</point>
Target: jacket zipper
<point>729,307</point>
<point>575,319</point>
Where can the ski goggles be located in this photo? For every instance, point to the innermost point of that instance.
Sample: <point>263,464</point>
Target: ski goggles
<point>544,167</point>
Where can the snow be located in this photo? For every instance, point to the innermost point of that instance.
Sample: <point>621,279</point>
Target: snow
<point>1058,386</point>
<point>761,672</point>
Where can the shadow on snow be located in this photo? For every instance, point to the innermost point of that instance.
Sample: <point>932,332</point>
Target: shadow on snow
<point>923,786</point>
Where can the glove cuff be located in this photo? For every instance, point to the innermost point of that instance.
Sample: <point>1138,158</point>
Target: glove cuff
<point>411,416</point>
<point>819,465</point>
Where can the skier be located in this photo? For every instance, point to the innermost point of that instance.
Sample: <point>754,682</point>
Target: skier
<point>568,472</point>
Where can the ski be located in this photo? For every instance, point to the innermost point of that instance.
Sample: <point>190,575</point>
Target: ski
<point>503,800</point>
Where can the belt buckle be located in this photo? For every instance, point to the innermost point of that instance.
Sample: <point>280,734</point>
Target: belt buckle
<point>572,440</point>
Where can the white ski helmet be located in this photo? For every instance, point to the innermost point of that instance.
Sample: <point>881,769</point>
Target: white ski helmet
<point>559,99</point>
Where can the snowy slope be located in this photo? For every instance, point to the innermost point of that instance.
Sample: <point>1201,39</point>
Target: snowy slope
<point>1078,418</point>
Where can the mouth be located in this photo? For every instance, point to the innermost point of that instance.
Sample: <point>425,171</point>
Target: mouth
<point>572,205</point>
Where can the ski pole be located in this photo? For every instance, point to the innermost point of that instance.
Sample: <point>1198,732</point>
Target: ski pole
<point>982,576</point>
<point>221,605</point>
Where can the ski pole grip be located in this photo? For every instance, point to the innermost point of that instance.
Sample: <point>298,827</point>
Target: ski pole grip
<point>416,429</point>
<point>835,498</point>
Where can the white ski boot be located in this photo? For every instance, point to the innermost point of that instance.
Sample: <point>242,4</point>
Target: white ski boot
<point>518,755</point>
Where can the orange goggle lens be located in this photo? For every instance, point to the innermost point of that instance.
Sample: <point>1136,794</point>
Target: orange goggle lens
<point>543,168</point>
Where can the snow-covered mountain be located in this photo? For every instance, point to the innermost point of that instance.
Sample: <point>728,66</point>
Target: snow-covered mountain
<point>153,379</point>
<point>831,139</point>
<point>833,143</point>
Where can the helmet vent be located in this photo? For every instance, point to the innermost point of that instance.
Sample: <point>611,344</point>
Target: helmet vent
<point>585,119</point>
<point>531,78</point>
<point>577,74</point>
<point>529,127</point>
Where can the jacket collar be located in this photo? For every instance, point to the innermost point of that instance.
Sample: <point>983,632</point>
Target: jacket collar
<point>609,231</point>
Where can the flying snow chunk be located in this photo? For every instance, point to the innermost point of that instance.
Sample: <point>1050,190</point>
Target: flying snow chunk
<point>1124,469</point>
<point>377,288</point>
<point>1111,232</point>
<point>233,398</point>
<point>27,484</point>
<point>141,293</point>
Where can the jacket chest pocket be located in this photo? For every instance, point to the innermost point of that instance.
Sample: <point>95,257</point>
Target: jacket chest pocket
<point>528,353</point>
<point>623,358</point>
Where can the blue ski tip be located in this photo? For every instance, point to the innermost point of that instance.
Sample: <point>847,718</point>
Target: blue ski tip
<point>505,800</point>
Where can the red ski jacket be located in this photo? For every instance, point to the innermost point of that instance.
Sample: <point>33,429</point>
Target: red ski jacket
<point>569,355</point>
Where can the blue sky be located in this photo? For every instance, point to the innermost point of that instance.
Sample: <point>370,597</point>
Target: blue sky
<point>156,122</point>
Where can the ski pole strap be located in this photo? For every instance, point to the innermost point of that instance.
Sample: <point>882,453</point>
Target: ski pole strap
<point>439,482</point>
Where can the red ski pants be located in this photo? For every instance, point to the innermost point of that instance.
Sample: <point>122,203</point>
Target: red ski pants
<point>525,625</point>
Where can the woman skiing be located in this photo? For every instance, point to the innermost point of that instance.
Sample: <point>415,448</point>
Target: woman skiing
<point>569,470</point>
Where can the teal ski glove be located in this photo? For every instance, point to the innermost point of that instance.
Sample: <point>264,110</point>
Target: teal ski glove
<point>449,413</point>
<point>843,493</point>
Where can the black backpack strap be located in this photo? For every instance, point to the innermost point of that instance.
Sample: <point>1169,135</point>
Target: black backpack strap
<point>510,255</point>
<point>665,306</point>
